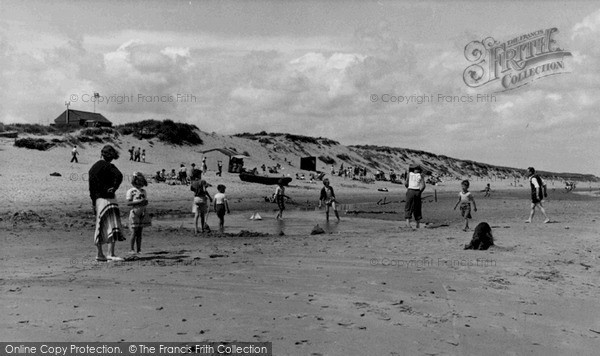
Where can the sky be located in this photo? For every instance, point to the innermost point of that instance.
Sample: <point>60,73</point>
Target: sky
<point>335,69</point>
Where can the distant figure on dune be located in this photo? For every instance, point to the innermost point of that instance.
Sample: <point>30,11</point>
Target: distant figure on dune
<point>416,185</point>
<point>104,180</point>
<point>131,152</point>
<point>219,168</point>
<point>74,153</point>
<point>137,154</point>
<point>204,166</point>
<point>144,156</point>
<point>538,193</point>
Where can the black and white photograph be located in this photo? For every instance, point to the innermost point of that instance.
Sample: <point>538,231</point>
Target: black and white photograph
<point>307,177</point>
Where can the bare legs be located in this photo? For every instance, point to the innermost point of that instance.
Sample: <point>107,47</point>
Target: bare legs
<point>532,213</point>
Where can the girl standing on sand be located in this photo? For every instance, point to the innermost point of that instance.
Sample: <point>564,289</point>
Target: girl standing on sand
<point>201,198</point>
<point>221,205</point>
<point>104,180</point>
<point>416,185</point>
<point>137,199</point>
<point>280,198</point>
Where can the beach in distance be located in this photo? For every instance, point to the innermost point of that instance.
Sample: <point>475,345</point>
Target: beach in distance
<point>367,285</point>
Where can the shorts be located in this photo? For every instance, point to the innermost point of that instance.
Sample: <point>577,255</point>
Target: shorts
<point>465,210</point>
<point>220,210</point>
<point>535,200</point>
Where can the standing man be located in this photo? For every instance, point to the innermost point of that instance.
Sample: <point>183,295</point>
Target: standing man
<point>74,153</point>
<point>131,150</point>
<point>416,185</point>
<point>219,168</point>
<point>538,193</point>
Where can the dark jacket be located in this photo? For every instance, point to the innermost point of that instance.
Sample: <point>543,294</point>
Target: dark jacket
<point>102,177</point>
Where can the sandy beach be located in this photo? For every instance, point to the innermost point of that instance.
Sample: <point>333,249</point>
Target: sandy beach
<point>368,285</point>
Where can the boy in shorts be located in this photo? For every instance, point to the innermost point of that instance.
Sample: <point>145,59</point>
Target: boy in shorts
<point>328,197</point>
<point>465,199</point>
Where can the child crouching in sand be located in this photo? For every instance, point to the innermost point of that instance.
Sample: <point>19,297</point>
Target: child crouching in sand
<point>137,199</point>
<point>221,205</point>
<point>465,199</point>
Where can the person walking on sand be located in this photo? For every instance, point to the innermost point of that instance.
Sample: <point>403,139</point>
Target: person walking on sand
<point>201,198</point>
<point>415,185</point>
<point>74,153</point>
<point>104,180</point>
<point>221,205</point>
<point>144,156</point>
<point>487,191</point>
<point>131,151</point>
<point>538,193</point>
<point>328,198</point>
<point>137,200</point>
<point>137,154</point>
<point>204,166</point>
<point>465,198</point>
<point>280,198</point>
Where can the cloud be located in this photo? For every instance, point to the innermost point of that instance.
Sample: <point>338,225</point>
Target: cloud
<point>590,25</point>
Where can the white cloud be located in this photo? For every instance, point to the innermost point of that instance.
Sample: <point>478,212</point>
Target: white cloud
<point>589,25</point>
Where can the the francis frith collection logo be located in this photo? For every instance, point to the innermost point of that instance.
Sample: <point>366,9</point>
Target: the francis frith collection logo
<point>516,62</point>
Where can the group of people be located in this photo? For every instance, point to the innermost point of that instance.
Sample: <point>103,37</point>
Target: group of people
<point>183,176</point>
<point>415,185</point>
<point>349,172</point>
<point>137,154</point>
<point>105,179</point>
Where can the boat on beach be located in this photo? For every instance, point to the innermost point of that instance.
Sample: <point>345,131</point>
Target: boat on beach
<point>254,178</point>
<point>9,134</point>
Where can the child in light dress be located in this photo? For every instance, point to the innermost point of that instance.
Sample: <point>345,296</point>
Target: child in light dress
<point>138,200</point>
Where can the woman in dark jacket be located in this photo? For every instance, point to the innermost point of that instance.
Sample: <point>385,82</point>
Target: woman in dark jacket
<point>104,180</point>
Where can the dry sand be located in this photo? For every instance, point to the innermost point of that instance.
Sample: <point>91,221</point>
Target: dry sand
<point>367,286</point>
